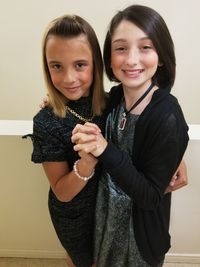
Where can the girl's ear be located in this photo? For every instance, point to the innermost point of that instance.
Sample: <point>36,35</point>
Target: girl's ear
<point>160,64</point>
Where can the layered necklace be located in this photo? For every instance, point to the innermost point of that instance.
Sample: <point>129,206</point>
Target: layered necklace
<point>125,113</point>
<point>79,116</point>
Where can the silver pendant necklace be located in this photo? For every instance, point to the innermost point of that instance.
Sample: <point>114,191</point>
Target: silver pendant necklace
<point>124,115</point>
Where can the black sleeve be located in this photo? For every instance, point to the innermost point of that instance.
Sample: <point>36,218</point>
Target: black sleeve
<point>146,183</point>
<point>46,145</point>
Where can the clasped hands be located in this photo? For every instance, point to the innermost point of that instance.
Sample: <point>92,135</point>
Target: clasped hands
<point>88,139</point>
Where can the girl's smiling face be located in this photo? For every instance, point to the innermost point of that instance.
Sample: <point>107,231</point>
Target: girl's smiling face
<point>134,60</point>
<point>70,65</point>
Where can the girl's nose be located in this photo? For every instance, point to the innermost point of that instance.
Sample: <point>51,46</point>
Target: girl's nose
<point>69,76</point>
<point>132,57</point>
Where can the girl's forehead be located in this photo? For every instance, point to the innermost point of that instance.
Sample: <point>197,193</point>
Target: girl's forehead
<point>79,42</point>
<point>126,29</point>
<point>68,38</point>
<point>64,48</point>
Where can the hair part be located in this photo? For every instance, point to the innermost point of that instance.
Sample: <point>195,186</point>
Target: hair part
<point>149,21</point>
<point>69,26</point>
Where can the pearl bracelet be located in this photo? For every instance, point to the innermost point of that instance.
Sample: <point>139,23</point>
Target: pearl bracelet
<point>85,178</point>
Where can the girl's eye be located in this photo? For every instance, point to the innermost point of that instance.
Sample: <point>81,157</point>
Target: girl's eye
<point>56,67</point>
<point>80,65</point>
<point>120,49</point>
<point>146,48</point>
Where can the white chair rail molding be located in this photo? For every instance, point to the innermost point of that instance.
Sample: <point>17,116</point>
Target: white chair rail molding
<point>21,127</point>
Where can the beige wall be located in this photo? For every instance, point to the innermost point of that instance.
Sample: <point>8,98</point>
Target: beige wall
<point>25,228</point>
<point>22,25</point>
<point>185,216</point>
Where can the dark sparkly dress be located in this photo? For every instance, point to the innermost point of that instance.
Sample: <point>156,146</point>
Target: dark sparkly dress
<point>115,243</point>
<point>73,221</point>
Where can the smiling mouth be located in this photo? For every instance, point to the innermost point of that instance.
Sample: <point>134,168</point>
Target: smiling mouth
<point>72,89</point>
<point>133,72</point>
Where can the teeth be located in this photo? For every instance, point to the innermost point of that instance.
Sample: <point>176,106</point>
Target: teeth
<point>133,71</point>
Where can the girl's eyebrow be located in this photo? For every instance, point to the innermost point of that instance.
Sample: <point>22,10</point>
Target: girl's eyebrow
<point>81,60</point>
<point>124,40</point>
<point>53,61</point>
<point>119,40</point>
<point>75,62</point>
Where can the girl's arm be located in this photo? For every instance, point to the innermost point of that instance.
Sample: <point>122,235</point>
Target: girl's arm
<point>65,183</point>
<point>145,187</point>
<point>50,150</point>
<point>179,179</point>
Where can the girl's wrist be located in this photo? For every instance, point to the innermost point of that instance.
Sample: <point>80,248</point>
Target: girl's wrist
<point>88,163</point>
<point>100,148</point>
<point>83,170</point>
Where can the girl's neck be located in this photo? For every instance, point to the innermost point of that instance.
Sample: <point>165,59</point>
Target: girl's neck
<point>131,95</point>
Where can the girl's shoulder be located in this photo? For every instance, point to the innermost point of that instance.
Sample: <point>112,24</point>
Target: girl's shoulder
<point>46,120</point>
<point>116,91</point>
<point>114,98</point>
<point>164,109</point>
<point>162,99</point>
<point>45,115</point>
<point>50,127</point>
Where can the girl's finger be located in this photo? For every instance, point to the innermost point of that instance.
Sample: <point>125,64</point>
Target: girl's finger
<point>77,128</point>
<point>82,138</point>
<point>87,129</point>
<point>86,148</point>
<point>93,125</point>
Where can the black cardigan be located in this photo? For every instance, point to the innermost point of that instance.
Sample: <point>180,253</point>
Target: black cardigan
<point>160,141</point>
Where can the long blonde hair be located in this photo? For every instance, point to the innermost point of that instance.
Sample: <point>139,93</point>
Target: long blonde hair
<point>72,26</point>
